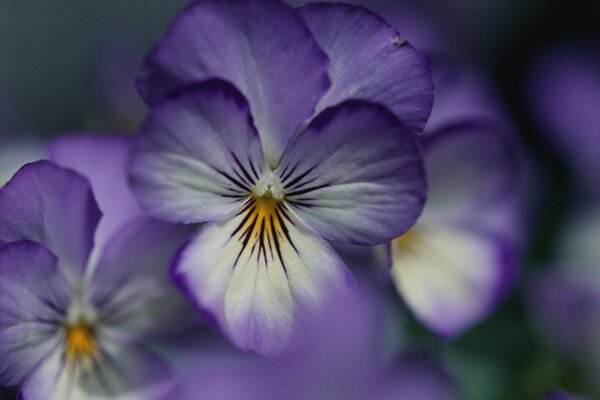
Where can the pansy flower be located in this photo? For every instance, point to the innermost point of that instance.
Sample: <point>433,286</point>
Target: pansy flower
<point>455,265</point>
<point>82,292</point>
<point>279,128</point>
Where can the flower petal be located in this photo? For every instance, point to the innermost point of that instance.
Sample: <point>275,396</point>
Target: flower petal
<point>370,61</point>
<point>560,395</point>
<point>33,301</point>
<point>103,160</point>
<point>198,155</point>
<point>125,373</point>
<point>16,153</point>
<point>450,278</point>
<point>472,170</point>
<point>355,175</point>
<point>261,274</point>
<point>262,47</point>
<point>52,206</point>
<point>131,287</point>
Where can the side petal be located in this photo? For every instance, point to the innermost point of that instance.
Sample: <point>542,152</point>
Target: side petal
<point>262,47</point>
<point>370,61</point>
<point>451,278</point>
<point>34,300</point>
<point>198,155</point>
<point>131,288</point>
<point>53,206</point>
<point>473,174</point>
<point>103,160</point>
<point>126,373</point>
<point>261,277</point>
<point>355,175</point>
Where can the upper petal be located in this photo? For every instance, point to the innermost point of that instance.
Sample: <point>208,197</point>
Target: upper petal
<point>451,278</point>
<point>473,174</point>
<point>355,175</point>
<point>370,61</point>
<point>198,154</point>
<point>103,160</point>
<point>261,274</point>
<point>34,300</point>
<point>52,206</point>
<point>263,47</point>
<point>16,153</point>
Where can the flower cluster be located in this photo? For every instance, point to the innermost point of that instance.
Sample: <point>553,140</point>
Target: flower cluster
<point>292,179</point>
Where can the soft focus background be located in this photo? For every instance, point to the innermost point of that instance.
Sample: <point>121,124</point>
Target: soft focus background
<point>69,66</point>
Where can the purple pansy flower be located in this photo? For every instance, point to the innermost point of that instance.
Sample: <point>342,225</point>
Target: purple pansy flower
<point>453,267</point>
<point>82,291</point>
<point>280,128</point>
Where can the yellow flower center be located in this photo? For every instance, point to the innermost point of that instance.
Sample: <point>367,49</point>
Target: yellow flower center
<point>80,342</point>
<point>406,242</point>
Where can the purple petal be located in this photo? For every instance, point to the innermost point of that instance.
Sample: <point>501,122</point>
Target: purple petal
<point>52,206</point>
<point>131,287</point>
<point>355,175</point>
<point>16,153</point>
<point>473,176</point>
<point>262,47</point>
<point>261,280</point>
<point>198,155</point>
<point>34,300</point>
<point>451,278</point>
<point>565,96</point>
<point>370,61</point>
<point>103,160</point>
<point>560,395</point>
<point>124,373</point>
<point>461,94</point>
<point>566,305</point>
<point>416,377</point>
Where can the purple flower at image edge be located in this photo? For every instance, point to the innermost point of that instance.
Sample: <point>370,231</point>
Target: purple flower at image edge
<point>84,283</point>
<point>266,143</point>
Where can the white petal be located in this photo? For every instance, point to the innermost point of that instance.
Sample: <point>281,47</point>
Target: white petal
<point>260,274</point>
<point>450,277</point>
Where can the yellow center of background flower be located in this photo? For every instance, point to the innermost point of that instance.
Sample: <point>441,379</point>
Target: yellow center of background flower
<point>80,342</point>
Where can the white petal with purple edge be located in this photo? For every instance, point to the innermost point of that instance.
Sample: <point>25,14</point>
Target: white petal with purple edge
<point>261,274</point>
<point>198,155</point>
<point>450,277</point>
<point>355,175</point>
<point>370,61</point>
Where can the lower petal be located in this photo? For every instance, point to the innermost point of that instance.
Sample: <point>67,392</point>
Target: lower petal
<point>450,277</point>
<point>123,374</point>
<point>262,275</point>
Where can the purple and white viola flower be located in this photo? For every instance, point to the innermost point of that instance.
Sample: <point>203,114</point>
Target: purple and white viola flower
<point>76,310</point>
<point>455,265</point>
<point>280,128</point>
